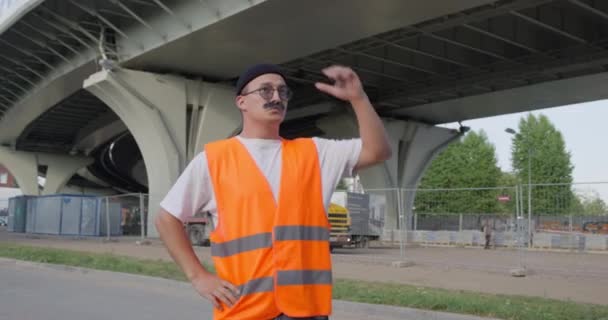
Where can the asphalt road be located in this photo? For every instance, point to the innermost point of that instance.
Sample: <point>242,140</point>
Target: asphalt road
<point>31,291</point>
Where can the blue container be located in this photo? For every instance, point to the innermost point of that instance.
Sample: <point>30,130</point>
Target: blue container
<point>73,215</point>
<point>17,211</point>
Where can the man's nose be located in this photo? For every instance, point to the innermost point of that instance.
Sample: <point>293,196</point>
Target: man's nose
<point>275,95</point>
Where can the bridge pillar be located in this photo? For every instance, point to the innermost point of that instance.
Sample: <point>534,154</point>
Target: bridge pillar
<point>414,146</point>
<point>24,167</point>
<point>60,169</point>
<point>170,118</point>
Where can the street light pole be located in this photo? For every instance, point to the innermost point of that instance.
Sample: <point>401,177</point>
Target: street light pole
<point>529,197</point>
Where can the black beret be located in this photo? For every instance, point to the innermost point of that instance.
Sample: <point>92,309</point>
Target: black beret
<point>256,71</point>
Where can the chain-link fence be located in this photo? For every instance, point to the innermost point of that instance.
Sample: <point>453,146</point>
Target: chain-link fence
<point>466,216</point>
<point>126,212</point>
<point>451,216</point>
<point>465,208</point>
<point>541,215</point>
<point>387,211</point>
<point>572,208</point>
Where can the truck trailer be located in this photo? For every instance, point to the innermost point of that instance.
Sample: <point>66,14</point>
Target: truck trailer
<point>355,218</point>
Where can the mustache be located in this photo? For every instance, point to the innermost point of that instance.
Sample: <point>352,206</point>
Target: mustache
<point>274,105</point>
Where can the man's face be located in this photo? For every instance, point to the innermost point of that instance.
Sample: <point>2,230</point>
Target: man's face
<point>264,99</point>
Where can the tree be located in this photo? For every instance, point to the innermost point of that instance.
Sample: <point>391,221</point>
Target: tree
<point>508,179</point>
<point>592,204</point>
<point>541,143</point>
<point>595,207</point>
<point>470,163</point>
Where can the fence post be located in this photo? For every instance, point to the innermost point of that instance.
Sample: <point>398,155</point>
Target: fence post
<point>517,201</point>
<point>529,214</point>
<point>400,213</point>
<point>460,222</point>
<point>141,215</point>
<point>572,237</point>
<point>108,218</point>
<point>415,221</point>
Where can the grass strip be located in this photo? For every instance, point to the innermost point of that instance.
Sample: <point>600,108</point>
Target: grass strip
<point>480,304</point>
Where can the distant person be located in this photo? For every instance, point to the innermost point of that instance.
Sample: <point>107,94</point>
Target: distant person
<point>269,197</point>
<point>487,230</point>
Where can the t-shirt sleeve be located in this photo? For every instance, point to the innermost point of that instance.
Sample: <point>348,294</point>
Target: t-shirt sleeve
<point>191,192</point>
<point>338,159</point>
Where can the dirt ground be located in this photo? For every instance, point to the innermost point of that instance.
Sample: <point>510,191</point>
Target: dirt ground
<point>580,277</point>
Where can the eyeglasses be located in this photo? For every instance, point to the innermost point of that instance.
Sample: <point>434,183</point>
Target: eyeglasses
<point>267,92</point>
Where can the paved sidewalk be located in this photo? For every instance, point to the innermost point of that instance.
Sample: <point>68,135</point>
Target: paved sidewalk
<point>51,292</point>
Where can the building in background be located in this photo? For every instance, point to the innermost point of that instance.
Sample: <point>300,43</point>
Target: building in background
<point>6,179</point>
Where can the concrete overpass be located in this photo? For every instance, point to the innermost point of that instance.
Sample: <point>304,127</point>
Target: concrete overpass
<point>164,84</point>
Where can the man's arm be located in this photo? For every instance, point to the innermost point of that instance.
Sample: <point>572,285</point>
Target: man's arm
<point>374,139</point>
<point>375,146</point>
<point>173,235</point>
<point>208,285</point>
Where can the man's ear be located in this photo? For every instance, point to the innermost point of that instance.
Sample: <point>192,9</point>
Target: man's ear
<point>240,102</point>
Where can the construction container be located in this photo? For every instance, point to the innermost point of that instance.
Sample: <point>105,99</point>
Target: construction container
<point>17,210</point>
<point>74,215</point>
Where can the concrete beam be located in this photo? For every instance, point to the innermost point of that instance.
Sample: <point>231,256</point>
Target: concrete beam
<point>227,25</point>
<point>532,97</point>
<point>24,167</point>
<point>63,82</point>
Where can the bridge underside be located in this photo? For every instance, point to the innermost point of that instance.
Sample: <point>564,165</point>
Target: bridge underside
<point>413,58</point>
<point>431,64</point>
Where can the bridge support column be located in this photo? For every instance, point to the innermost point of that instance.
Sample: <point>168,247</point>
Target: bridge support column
<point>60,169</point>
<point>414,146</point>
<point>24,167</point>
<point>155,110</point>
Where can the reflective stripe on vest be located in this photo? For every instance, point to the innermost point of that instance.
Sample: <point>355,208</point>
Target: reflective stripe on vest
<point>286,278</point>
<point>293,277</point>
<point>264,240</point>
<point>257,285</point>
<point>284,233</point>
<point>236,246</point>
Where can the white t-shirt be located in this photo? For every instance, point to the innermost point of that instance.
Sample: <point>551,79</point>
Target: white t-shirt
<point>194,193</point>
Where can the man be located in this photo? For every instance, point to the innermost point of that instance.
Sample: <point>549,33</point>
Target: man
<point>487,230</point>
<point>268,197</point>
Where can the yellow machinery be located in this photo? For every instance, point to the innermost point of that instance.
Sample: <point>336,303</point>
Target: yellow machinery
<point>339,220</point>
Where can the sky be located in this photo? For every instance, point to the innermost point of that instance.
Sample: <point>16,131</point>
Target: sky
<point>583,127</point>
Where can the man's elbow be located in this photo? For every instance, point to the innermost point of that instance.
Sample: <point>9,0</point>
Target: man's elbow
<point>162,220</point>
<point>386,153</point>
<point>373,155</point>
<point>383,153</point>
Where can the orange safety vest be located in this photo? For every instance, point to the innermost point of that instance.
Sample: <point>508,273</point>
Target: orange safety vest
<point>276,254</point>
